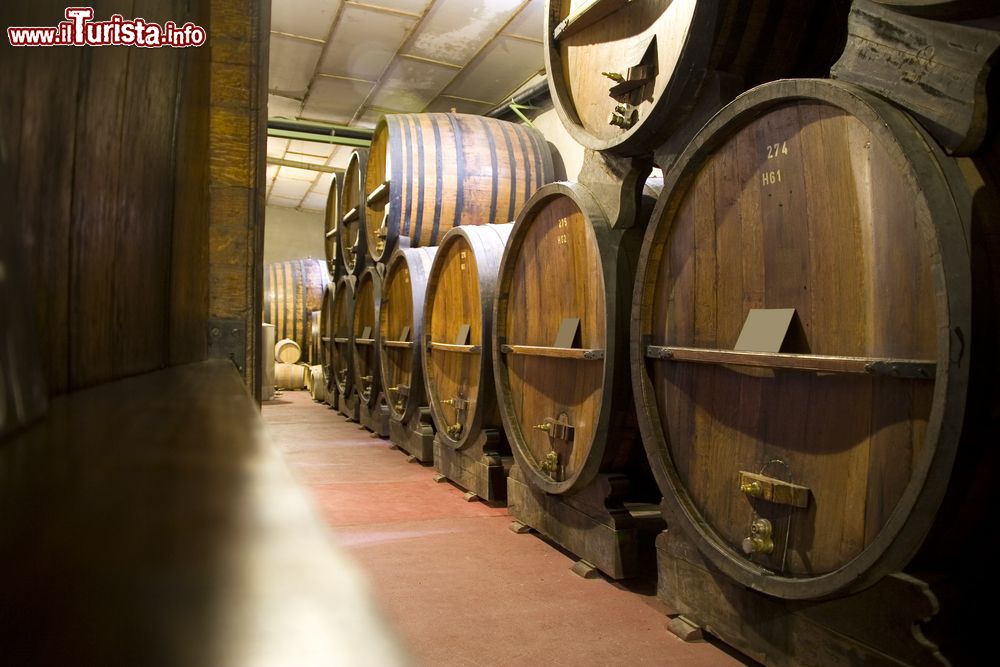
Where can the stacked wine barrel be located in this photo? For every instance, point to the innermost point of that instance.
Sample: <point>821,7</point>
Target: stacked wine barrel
<point>341,333</point>
<point>458,315</point>
<point>561,340</point>
<point>627,77</point>
<point>423,175</point>
<point>430,172</point>
<point>364,332</point>
<point>876,272</point>
<point>401,329</point>
<point>292,291</point>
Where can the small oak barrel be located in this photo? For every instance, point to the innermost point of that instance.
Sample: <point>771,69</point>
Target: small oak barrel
<point>315,383</point>
<point>400,330</point>
<point>287,351</point>
<point>327,331</point>
<point>290,376</point>
<point>342,335</point>
<point>801,338</point>
<point>364,332</point>
<point>561,341</point>
<point>353,242</point>
<point>458,312</point>
<point>624,76</point>
<point>430,172</point>
<point>292,290</point>
<point>331,234</point>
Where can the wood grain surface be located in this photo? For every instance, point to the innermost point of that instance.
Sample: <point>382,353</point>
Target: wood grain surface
<point>402,311</point>
<point>292,291</point>
<point>564,262</point>
<point>683,44</point>
<point>353,244</point>
<point>366,358</point>
<point>460,291</point>
<point>343,333</point>
<point>446,170</point>
<point>176,536</point>
<point>819,197</point>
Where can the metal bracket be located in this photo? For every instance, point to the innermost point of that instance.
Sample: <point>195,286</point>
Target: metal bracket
<point>227,339</point>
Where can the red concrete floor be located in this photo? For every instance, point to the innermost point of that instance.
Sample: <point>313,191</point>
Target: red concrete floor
<point>458,587</point>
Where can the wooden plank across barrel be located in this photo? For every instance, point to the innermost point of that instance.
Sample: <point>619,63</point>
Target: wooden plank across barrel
<point>292,290</point>
<point>819,199</point>
<point>331,231</point>
<point>625,76</point>
<point>399,334</point>
<point>430,172</point>
<point>560,358</point>
<point>343,346</point>
<point>470,447</point>
<point>373,411</point>
<point>353,242</point>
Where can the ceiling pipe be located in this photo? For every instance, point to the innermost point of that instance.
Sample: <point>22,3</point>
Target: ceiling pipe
<point>536,92</point>
<point>322,129</point>
<point>302,165</point>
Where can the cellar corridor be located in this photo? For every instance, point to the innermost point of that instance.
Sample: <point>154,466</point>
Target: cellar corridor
<point>456,586</point>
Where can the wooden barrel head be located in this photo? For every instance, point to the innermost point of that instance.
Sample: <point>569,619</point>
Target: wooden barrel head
<point>327,332</point>
<point>430,172</point>
<point>457,332</point>
<point>343,334</point>
<point>401,329</point>
<point>626,77</point>
<point>367,301</point>
<point>793,362</point>
<point>552,333</point>
<point>352,242</point>
<point>331,233</point>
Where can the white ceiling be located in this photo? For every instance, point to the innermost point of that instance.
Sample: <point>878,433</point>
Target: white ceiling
<point>348,62</point>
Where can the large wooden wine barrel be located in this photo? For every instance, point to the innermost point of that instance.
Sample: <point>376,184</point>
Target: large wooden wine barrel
<point>458,315</point>
<point>561,330</point>
<point>806,451</point>
<point>327,332</point>
<point>401,330</point>
<point>292,290</point>
<point>367,301</point>
<point>353,241</point>
<point>331,231</point>
<point>342,364</point>
<point>430,172</point>
<point>663,55</point>
<point>945,9</point>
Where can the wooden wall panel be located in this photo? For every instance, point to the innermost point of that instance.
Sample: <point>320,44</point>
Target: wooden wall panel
<point>140,178</point>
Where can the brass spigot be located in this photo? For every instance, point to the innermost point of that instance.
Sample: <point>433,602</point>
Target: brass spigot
<point>752,489</point>
<point>543,427</point>
<point>448,401</point>
<point>614,76</point>
<point>550,463</point>
<point>454,430</point>
<point>759,541</point>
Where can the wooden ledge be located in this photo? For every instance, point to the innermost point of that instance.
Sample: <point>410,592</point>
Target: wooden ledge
<point>916,369</point>
<point>404,344</point>
<point>151,521</point>
<point>450,347</point>
<point>586,354</point>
